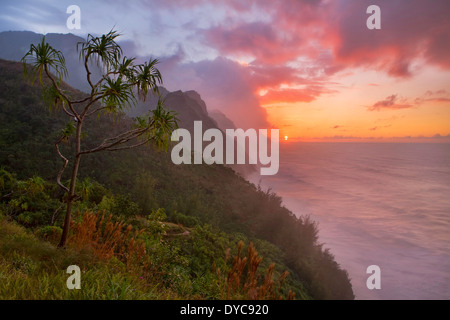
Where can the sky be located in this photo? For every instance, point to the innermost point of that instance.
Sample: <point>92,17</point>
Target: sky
<point>311,68</point>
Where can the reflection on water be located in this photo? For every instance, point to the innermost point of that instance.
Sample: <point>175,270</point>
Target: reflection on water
<point>376,203</point>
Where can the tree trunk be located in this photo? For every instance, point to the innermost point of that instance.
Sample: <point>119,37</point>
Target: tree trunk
<point>71,195</point>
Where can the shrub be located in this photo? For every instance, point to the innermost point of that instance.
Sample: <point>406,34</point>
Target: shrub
<point>155,219</point>
<point>108,238</point>
<point>120,205</point>
<point>30,219</point>
<point>49,233</point>
<point>187,221</point>
<point>242,280</point>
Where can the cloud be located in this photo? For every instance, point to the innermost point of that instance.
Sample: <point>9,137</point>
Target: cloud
<point>438,96</point>
<point>389,103</point>
<point>409,32</point>
<point>339,128</point>
<point>234,88</point>
<point>342,137</point>
<point>439,100</point>
<point>379,127</point>
<point>292,48</point>
<point>390,119</point>
<point>223,84</point>
<point>45,16</point>
<point>332,35</point>
<point>263,76</point>
<point>437,138</point>
<point>288,96</point>
<point>257,39</point>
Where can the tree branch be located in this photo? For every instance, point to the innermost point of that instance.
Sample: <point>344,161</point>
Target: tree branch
<point>61,93</point>
<point>110,143</point>
<point>104,78</point>
<point>58,178</point>
<point>86,109</point>
<point>67,111</point>
<point>82,100</point>
<point>129,147</point>
<point>7,195</point>
<point>56,214</point>
<point>88,72</point>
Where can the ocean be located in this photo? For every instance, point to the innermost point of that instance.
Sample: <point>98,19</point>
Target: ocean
<point>385,204</point>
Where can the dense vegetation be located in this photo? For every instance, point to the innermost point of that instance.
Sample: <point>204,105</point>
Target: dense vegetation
<point>186,217</point>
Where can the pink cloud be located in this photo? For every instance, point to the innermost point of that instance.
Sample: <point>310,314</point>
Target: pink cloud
<point>287,95</point>
<point>262,41</point>
<point>224,85</point>
<point>390,103</point>
<point>412,30</point>
<point>296,29</point>
<point>302,43</point>
<point>439,96</point>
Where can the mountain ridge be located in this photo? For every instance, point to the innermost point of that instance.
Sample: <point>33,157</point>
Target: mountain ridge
<point>145,180</point>
<point>14,45</point>
<point>188,105</point>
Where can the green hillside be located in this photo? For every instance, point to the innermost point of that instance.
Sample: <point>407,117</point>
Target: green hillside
<point>184,219</point>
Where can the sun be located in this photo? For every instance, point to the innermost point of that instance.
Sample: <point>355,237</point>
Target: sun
<point>285,138</point>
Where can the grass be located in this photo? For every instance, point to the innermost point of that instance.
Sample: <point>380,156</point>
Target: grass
<point>33,269</point>
<point>119,263</point>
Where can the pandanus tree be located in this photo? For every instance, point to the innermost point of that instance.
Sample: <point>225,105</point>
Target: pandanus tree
<point>116,89</point>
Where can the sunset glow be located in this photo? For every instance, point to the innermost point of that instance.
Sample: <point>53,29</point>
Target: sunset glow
<point>309,68</point>
<point>303,146</point>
